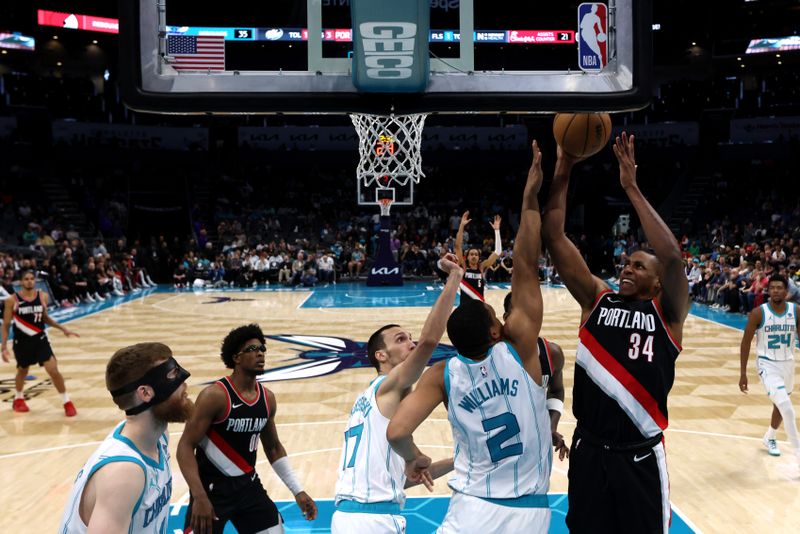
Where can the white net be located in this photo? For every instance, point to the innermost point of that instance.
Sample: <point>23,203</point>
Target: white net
<point>389,147</point>
<point>386,205</point>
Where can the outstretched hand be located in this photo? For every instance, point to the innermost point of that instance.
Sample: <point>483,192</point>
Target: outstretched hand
<point>465,220</point>
<point>624,150</point>
<point>535,174</point>
<point>449,263</point>
<point>495,223</point>
<point>565,156</point>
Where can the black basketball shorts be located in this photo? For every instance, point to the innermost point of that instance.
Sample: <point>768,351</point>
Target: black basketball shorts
<point>242,501</point>
<point>616,490</point>
<point>30,351</point>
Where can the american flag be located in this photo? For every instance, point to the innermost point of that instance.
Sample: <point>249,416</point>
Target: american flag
<point>201,52</point>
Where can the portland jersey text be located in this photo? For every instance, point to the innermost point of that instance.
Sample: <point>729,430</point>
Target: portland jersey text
<point>230,445</point>
<point>625,370</point>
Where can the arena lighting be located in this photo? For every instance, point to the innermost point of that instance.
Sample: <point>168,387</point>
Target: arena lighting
<point>656,26</point>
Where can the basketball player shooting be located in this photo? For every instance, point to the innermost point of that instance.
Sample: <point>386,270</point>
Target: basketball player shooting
<point>495,400</point>
<point>625,366</point>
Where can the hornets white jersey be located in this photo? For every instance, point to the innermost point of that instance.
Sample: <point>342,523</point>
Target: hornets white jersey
<point>369,470</point>
<point>150,514</point>
<point>776,336</point>
<point>501,426</point>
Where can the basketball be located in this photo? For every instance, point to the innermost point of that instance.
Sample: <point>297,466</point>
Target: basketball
<point>582,134</point>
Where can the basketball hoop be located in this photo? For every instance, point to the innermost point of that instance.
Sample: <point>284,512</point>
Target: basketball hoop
<point>385,204</point>
<point>389,146</point>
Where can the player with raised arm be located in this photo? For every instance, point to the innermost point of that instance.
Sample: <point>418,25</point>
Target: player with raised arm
<point>625,367</point>
<point>474,280</point>
<point>369,490</point>
<point>551,359</point>
<point>495,399</point>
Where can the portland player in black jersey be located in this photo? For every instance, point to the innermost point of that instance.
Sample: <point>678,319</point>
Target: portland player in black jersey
<point>27,311</point>
<point>625,366</point>
<point>551,358</point>
<point>474,280</point>
<point>217,452</point>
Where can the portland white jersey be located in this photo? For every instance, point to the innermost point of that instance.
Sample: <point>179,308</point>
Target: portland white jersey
<point>501,426</point>
<point>776,336</point>
<point>150,515</point>
<point>369,470</point>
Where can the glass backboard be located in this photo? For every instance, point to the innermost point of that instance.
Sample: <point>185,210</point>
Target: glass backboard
<point>294,56</point>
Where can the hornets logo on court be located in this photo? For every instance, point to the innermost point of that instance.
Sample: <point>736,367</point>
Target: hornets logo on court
<point>328,355</point>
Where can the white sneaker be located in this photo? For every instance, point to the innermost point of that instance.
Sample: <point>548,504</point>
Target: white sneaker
<point>772,446</point>
<point>150,281</point>
<point>89,298</point>
<point>119,293</point>
<point>99,297</point>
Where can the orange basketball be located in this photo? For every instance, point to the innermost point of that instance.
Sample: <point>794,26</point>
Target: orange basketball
<point>582,134</point>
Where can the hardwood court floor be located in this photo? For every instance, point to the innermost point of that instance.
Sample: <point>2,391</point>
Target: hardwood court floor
<point>720,475</point>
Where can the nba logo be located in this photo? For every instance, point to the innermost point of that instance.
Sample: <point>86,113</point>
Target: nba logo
<point>592,36</point>
<point>484,372</point>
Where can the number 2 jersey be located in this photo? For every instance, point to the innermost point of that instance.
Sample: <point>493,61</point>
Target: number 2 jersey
<point>230,445</point>
<point>369,470</point>
<point>776,336</point>
<point>500,425</point>
<point>625,367</point>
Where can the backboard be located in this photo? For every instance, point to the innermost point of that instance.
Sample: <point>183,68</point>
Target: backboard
<point>294,56</point>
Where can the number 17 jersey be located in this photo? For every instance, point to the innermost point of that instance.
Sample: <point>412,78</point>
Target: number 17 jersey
<point>500,424</point>
<point>369,470</point>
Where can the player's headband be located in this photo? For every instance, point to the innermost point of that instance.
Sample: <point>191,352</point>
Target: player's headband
<point>164,378</point>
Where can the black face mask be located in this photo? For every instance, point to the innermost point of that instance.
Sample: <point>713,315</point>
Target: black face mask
<point>164,379</point>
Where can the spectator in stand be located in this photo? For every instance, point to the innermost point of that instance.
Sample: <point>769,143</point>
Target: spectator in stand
<point>325,269</point>
<point>694,276</point>
<point>181,278</point>
<point>298,267</point>
<point>91,275</point>
<point>284,271</point>
<point>356,263</point>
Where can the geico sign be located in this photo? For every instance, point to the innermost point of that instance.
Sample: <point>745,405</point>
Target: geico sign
<point>388,48</point>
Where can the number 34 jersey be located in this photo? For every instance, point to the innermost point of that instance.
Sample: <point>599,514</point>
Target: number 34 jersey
<point>500,424</point>
<point>625,367</point>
